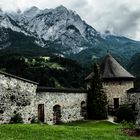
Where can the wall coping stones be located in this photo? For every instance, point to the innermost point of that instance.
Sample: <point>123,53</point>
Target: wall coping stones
<point>60,90</point>
<point>133,90</point>
<point>19,78</point>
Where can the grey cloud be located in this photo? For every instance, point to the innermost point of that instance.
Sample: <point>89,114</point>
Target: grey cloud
<point>125,21</point>
<point>121,19</point>
<point>79,4</point>
<point>120,16</point>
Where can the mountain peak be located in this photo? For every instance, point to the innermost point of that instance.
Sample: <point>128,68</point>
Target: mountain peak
<point>31,11</point>
<point>33,8</point>
<point>1,11</point>
<point>62,8</point>
<point>63,32</point>
<point>59,25</point>
<point>18,11</point>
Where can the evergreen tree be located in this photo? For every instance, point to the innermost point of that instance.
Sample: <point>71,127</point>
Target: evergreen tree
<point>97,99</point>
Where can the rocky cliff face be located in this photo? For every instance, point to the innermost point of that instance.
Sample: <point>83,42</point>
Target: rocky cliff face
<point>61,26</point>
<point>65,32</point>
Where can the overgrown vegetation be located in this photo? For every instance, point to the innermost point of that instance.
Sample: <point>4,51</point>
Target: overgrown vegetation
<point>49,70</point>
<point>97,99</point>
<point>126,124</point>
<point>125,113</point>
<point>17,118</point>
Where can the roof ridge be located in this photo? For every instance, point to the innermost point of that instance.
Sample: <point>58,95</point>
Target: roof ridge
<point>17,77</point>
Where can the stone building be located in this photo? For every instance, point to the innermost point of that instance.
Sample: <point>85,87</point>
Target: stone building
<point>51,105</point>
<point>17,96</point>
<point>133,95</point>
<point>118,85</point>
<point>116,81</point>
<point>56,105</point>
<point>24,97</point>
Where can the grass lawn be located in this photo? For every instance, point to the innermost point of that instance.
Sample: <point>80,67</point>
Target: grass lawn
<point>91,130</point>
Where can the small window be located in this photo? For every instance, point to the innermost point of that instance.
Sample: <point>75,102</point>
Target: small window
<point>83,109</point>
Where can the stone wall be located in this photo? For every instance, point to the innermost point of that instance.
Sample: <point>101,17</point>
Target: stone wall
<point>134,98</point>
<point>117,89</point>
<point>16,97</point>
<point>70,104</point>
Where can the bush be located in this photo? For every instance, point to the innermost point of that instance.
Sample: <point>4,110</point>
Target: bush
<point>125,113</point>
<point>126,124</point>
<point>96,99</point>
<point>33,120</point>
<point>16,118</point>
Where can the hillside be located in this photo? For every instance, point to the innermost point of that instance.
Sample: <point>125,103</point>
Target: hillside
<point>134,65</point>
<point>48,71</point>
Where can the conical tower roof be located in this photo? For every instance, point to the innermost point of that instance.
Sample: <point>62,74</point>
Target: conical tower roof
<point>111,69</point>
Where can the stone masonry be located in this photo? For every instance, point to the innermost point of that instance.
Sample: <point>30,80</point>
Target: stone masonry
<point>21,96</point>
<point>70,104</point>
<point>17,96</point>
<point>117,89</point>
<point>134,98</point>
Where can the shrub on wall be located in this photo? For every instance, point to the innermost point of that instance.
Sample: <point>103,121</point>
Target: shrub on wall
<point>33,120</point>
<point>125,113</point>
<point>17,118</point>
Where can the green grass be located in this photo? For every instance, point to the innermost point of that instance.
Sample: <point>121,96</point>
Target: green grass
<point>91,130</point>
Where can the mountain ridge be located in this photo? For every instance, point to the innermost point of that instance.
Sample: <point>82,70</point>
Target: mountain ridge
<point>65,33</point>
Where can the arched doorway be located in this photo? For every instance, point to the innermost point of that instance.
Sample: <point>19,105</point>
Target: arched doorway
<point>56,114</point>
<point>83,109</point>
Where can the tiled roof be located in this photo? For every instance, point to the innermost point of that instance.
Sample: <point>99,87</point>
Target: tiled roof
<point>61,90</point>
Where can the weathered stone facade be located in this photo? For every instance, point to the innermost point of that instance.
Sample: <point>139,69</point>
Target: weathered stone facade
<point>21,96</point>
<point>117,89</point>
<point>70,104</point>
<point>134,98</point>
<point>17,96</point>
<point>116,83</point>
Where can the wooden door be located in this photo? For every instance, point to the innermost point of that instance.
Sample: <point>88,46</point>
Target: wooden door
<point>116,103</point>
<point>41,112</point>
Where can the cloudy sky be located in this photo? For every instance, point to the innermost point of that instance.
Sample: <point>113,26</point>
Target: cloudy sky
<point>121,17</point>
